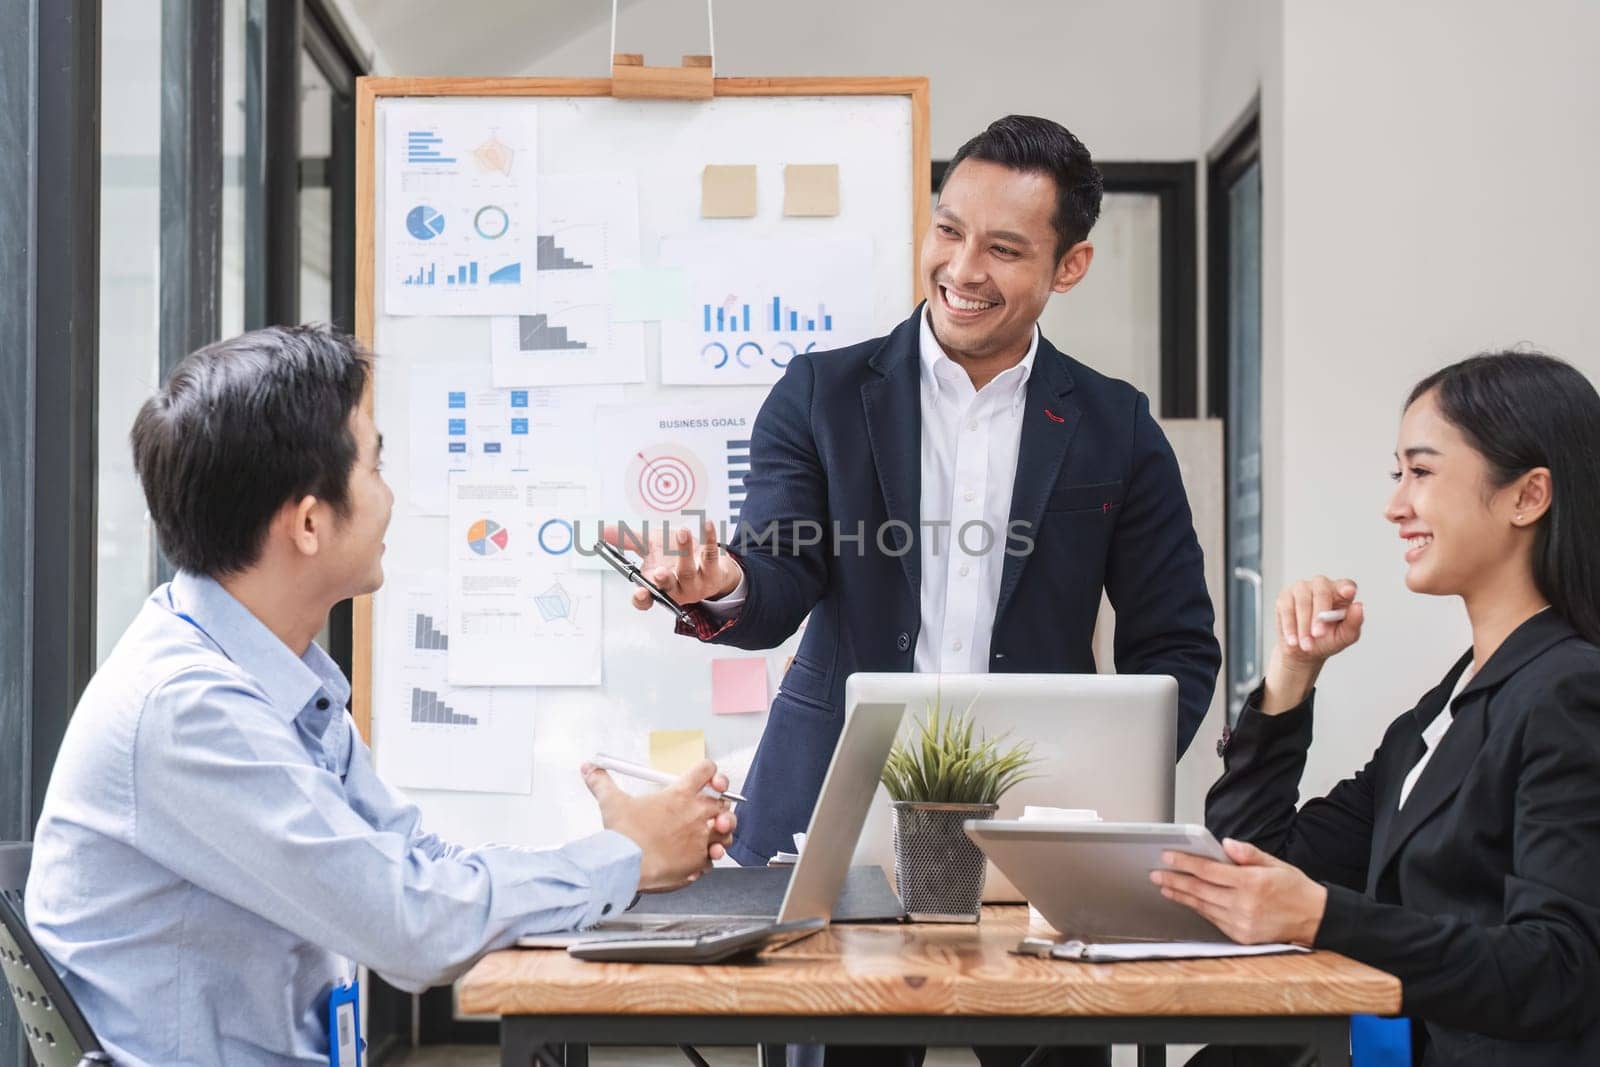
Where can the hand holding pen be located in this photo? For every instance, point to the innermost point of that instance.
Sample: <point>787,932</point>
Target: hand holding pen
<point>679,830</point>
<point>1315,618</point>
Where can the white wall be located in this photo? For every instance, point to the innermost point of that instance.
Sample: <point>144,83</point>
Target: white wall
<point>1436,199</point>
<point>1122,74</point>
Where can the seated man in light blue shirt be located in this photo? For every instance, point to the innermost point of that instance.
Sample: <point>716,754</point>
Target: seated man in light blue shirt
<point>215,853</point>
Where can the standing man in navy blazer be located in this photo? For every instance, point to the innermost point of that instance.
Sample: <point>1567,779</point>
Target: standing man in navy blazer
<point>953,497</point>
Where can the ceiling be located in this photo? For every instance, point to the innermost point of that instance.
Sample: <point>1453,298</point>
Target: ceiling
<point>475,37</point>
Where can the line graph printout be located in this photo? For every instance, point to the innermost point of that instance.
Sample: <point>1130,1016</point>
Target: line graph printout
<point>588,226</point>
<point>461,200</point>
<point>429,734</point>
<point>659,462</point>
<point>755,305</point>
<point>521,610</point>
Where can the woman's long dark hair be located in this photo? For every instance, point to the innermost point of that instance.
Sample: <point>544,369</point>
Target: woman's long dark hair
<point>1522,410</point>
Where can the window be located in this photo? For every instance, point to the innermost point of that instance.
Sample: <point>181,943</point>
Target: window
<point>130,301</point>
<point>1234,277</point>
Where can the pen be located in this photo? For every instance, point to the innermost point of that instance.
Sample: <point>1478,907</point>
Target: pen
<point>1336,615</point>
<point>650,774</point>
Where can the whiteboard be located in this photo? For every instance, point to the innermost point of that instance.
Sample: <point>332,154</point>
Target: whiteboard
<point>651,678</point>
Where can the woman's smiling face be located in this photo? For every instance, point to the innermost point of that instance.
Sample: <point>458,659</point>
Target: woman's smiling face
<point>1456,525</point>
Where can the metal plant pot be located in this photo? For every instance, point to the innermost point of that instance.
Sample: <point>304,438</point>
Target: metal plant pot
<point>937,868</point>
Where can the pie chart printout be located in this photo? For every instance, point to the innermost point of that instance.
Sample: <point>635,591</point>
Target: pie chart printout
<point>424,223</point>
<point>487,537</point>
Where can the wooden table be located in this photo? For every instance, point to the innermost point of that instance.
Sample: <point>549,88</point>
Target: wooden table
<point>923,985</point>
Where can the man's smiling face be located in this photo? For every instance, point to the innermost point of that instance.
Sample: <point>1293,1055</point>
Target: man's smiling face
<point>990,262</point>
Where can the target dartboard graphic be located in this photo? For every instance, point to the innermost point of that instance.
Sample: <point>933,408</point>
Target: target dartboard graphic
<point>666,479</point>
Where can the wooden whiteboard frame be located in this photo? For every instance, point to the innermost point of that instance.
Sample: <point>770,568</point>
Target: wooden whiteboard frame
<point>369,89</point>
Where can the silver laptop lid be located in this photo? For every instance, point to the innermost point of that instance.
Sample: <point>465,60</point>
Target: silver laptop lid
<point>847,791</point>
<point>1104,741</point>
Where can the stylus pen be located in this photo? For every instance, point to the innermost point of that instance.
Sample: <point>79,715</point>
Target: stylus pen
<point>650,774</point>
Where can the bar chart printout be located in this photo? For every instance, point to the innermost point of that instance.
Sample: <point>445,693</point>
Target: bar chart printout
<point>428,635</point>
<point>734,317</point>
<point>756,305</point>
<point>426,707</point>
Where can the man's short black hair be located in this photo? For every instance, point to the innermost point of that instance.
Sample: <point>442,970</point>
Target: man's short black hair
<point>241,428</point>
<point>1023,142</point>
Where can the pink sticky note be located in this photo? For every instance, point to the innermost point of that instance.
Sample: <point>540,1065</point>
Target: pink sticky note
<point>738,686</point>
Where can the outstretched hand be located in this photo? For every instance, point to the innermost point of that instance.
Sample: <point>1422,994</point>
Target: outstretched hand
<point>686,572</point>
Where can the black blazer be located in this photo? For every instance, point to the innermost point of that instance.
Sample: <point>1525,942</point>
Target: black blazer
<point>838,444</point>
<point>1482,895</point>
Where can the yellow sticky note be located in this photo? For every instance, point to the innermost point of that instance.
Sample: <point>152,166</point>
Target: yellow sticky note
<point>738,686</point>
<point>675,751</point>
<point>811,189</point>
<point>728,192</point>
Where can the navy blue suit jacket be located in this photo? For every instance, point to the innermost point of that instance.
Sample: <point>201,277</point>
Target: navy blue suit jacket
<point>838,444</point>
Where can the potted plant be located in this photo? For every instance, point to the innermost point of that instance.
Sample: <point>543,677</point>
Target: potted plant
<point>943,775</point>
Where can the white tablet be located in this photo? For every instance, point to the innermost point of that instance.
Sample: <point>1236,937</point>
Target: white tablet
<point>1092,880</point>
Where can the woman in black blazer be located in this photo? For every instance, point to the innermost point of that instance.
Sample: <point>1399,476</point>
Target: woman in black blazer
<point>1465,857</point>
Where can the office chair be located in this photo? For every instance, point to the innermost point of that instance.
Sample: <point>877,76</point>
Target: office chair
<point>58,1035</point>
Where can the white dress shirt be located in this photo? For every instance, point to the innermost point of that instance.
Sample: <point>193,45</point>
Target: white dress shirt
<point>1433,735</point>
<point>970,439</point>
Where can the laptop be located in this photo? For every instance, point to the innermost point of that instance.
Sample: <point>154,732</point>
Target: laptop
<point>1106,742</point>
<point>853,773</point>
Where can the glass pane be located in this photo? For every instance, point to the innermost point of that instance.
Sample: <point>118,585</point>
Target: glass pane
<point>316,199</point>
<point>231,303</point>
<point>1244,436</point>
<point>1112,319</point>
<point>130,256</point>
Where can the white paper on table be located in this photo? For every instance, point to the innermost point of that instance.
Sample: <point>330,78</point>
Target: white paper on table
<point>588,227</point>
<point>521,613</point>
<point>1127,951</point>
<point>755,304</point>
<point>461,205</point>
<point>428,734</point>
<point>459,423</point>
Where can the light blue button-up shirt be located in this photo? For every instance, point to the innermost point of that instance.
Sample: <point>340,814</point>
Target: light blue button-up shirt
<point>215,851</point>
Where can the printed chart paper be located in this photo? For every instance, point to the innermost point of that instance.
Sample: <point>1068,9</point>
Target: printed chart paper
<point>461,189</point>
<point>431,735</point>
<point>521,612</point>
<point>660,461</point>
<point>588,227</point>
<point>460,424</point>
<point>754,305</point>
